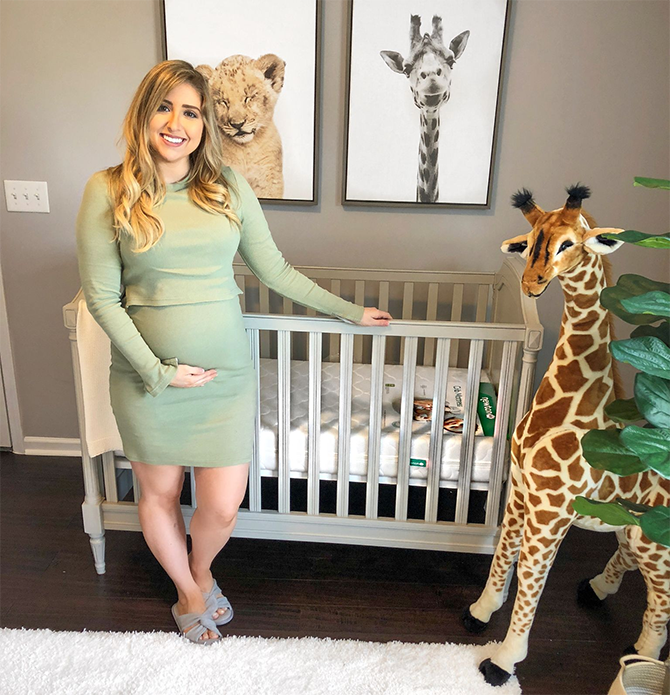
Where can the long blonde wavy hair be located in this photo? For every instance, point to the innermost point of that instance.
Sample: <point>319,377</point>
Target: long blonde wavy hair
<point>135,185</point>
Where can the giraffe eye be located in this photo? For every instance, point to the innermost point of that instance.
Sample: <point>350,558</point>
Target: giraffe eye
<point>565,245</point>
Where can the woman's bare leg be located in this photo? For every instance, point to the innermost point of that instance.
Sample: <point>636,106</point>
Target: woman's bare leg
<point>219,493</point>
<point>163,528</point>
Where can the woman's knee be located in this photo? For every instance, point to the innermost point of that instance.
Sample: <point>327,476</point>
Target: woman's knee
<point>221,512</point>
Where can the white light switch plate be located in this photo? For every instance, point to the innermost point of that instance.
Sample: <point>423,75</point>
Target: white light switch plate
<point>27,196</point>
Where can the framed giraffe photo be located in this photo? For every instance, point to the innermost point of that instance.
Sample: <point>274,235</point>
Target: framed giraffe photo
<point>261,59</point>
<point>423,100</point>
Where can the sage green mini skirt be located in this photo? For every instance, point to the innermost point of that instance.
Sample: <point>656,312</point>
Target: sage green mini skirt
<point>210,425</point>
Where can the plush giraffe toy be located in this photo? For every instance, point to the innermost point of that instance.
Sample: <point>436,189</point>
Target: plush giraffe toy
<point>428,68</point>
<point>548,470</point>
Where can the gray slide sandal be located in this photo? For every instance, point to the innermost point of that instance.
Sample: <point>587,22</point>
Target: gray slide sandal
<point>202,623</point>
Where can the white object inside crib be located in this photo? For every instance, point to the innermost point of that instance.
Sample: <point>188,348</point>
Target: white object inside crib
<point>335,431</point>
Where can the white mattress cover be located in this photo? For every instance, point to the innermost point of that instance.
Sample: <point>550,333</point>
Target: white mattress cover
<point>360,413</point>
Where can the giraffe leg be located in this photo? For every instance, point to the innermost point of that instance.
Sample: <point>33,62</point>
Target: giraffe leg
<point>476,616</point>
<point>539,546</point>
<point>592,592</point>
<point>654,563</point>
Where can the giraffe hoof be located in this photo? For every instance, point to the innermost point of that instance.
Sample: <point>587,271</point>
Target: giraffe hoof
<point>493,675</point>
<point>629,650</point>
<point>471,624</point>
<point>586,596</point>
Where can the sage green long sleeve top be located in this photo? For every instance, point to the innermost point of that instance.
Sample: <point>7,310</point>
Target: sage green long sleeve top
<point>192,262</point>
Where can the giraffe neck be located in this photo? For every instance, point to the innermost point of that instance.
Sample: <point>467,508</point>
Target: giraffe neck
<point>427,187</point>
<point>581,373</point>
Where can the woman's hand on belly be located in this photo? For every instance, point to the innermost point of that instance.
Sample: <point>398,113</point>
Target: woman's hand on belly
<point>188,376</point>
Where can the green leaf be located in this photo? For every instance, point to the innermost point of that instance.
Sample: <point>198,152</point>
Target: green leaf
<point>623,411</point>
<point>652,395</point>
<point>653,241</point>
<point>648,354</point>
<point>627,286</point>
<point>604,450</point>
<point>662,332</point>
<point>651,183</point>
<point>652,446</point>
<point>609,512</point>
<point>633,506</point>
<point>656,525</point>
<point>655,303</point>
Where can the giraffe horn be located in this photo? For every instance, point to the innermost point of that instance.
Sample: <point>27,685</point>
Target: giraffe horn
<point>573,205</point>
<point>523,200</point>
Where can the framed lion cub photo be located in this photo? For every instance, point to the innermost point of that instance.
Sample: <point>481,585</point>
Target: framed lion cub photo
<point>261,58</point>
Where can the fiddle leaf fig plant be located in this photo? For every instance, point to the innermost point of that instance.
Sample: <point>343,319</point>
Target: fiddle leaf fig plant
<point>643,443</point>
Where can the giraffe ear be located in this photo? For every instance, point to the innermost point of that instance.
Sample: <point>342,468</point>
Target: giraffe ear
<point>594,242</point>
<point>458,44</point>
<point>518,244</point>
<point>206,71</point>
<point>394,60</point>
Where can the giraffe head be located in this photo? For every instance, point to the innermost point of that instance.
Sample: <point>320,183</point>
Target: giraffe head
<point>429,63</point>
<point>559,240</point>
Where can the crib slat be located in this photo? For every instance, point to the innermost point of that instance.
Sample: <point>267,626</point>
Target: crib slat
<point>344,425</point>
<point>503,407</point>
<point>431,315</point>
<point>405,443</point>
<point>467,453</point>
<point>264,307</point>
<point>482,303</point>
<point>315,343</point>
<point>335,288</point>
<point>383,301</point>
<point>255,467</point>
<point>241,283</point>
<point>109,476</point>
<point>375,426</point>
<point>137,492</point>
<point>194,498</point>
<point>284,418</point>
<point>407,309</point>
<point>456,315</point>
<point>437,428</point>
<point>359,298</point>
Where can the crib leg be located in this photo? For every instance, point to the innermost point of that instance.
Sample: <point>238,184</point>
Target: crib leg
<point>91,511</point>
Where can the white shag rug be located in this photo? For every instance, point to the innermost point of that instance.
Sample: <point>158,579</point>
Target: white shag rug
<point>45,662</point>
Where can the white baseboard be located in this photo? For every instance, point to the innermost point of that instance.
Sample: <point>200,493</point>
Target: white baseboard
<point>51,446</point>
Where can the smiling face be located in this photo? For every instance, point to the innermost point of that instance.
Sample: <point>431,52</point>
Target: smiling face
<point>175,131</point>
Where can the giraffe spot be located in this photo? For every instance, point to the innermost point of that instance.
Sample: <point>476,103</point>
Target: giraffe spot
<point>566,445</point>
<point>549,416</point>
<point>593,397</point>
<point>580,343</point>
<point>577,489</point>
<point>433,157</point>
<point>645,483</point>
<point>556,500</point>
<point>543,483</point>
<point>437,135</point>
<point>533,501</point>
<point>591,283</point>
<point>543,460</point>
<point>433,124</point>
<point>544,516</point>
<point>584,301</point>
<point>599,360</point>
<point>603,329</point>
<point>545,393</point>
<point>579,277</point>
<point>423,157</point>
<point>560,352</point>
<point>569,377</point>
<point>576,469</point>
<point>627,483</point>
<point>592,424</point>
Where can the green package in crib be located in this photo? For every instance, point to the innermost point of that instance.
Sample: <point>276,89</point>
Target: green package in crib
<point>486,408</point>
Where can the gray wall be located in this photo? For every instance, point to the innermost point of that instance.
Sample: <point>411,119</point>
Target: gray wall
<point>585,98</point>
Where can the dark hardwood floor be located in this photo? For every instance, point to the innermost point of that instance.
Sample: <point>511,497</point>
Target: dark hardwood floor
<point>286,589</point>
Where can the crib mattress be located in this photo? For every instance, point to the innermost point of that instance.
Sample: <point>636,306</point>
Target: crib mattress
<point>360,413</point>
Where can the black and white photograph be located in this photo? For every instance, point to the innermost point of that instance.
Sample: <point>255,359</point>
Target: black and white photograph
<point>424,80</point>
<point>261,60</point>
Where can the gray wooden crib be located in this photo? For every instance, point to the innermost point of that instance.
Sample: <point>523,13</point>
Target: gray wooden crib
<point>338,455</point>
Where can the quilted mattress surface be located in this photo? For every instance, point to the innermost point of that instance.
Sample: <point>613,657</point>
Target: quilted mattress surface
<point>360,414</point>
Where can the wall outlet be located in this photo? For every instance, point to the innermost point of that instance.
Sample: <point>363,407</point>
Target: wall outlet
<point>27,196</point>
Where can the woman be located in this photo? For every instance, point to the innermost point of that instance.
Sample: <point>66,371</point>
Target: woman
<point>165,224</point>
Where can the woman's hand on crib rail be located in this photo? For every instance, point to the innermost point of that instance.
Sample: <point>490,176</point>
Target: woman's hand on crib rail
<point>375,317</point>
